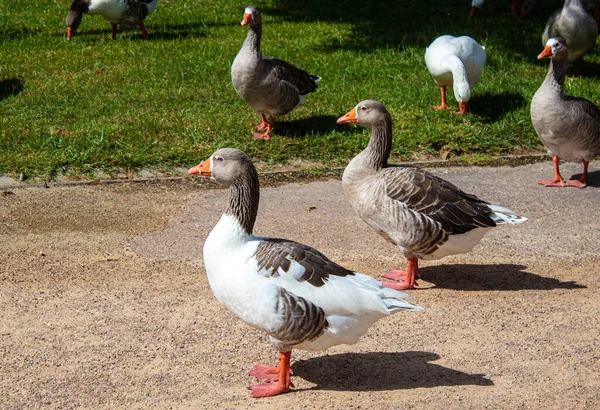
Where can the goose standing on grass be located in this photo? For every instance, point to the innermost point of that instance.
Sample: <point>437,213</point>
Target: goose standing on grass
<point>476,5</point>
<point>271,86</point>
<point>568,126</point>
<point>126,13</point>
<point>293,292</point>
<point>576,27</point>
<point>424,215</point>
<point>455,62</point>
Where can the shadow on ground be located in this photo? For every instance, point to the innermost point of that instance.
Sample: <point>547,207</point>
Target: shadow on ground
<point>593,178</point>
<point>302,127</point>
<point>377,371</point>
<point>11,86</point>
<point>491,277</point>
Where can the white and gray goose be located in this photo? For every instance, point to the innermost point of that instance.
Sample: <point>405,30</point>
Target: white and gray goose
<point>126,13</point>
<point>293,292</point>
<point>568,126</point>
<point>271,86</point>
<point>424,215</point>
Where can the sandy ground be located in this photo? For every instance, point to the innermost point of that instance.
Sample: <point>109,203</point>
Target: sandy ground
<point>104,302</point>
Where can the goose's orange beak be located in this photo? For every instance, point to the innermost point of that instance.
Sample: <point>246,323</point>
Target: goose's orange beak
<point>546,52</point>
<point>202,169</point>
<point>70,33</point>
<point>247,19</point>
<point>474,10</point>
<point>349,118</point>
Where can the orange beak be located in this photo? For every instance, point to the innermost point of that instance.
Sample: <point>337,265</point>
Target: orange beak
<point>202,169</point>
<point>349,118</point>
<point>474,10</point>
<point>70,33</point>
<point>247,19</point>
<point>546,52</point>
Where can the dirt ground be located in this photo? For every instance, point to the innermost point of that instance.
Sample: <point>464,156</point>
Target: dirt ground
<point>105,304</point>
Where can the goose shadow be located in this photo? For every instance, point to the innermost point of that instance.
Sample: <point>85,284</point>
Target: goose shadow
<point>377,371</point>
<point>302,127</point>
<point>593,178</point>
<point>11,86</point>
<point>495,106</point>
<point>491,277</point>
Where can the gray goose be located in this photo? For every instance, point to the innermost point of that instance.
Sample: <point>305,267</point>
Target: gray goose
<point>271,86</point>
<point>569,127</point>
<point>126,13</point>
<point>299,297</point>
<point>578,29</point>
<point>424,215</point>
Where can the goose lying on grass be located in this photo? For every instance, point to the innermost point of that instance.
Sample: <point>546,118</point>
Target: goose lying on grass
<point>424,215</point>
<point>293,292</point>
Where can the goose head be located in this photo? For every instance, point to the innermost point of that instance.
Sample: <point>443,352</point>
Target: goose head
<point>475,6</point>
<point>78,7</point>
<point>556,49</point>
<point>368,113</point>
<point>251,17</point>
<point>226,166</point>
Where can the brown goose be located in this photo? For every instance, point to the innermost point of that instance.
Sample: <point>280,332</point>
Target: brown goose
<point>293,292</point>
<point>271,86</point>
<point>568,126</point>
<point>578,29</point>
<point>127,13</point>
<point>424,215</point>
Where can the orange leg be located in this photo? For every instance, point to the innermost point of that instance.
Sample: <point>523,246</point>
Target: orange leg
<point>558,179</point>
<point>444,103</point>
<point>114,31</point>
<point>144,31</point>
<point>406,279</point>
<point>264,125</point>
<point>277,379</point>
<point>463,108</point>
<point>581,182</point>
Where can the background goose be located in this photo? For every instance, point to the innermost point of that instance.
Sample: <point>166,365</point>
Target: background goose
<point>424,215</point>
<point>293,292</point>
<point>271,86</point>
<point>568,126</point>
<point>576,27</point>
<point>477,4</point>
<point>455,62</point>
<point>127,13</point>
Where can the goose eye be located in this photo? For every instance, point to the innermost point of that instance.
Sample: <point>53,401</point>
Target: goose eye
<point>364,108</point>
<point>219,159</point>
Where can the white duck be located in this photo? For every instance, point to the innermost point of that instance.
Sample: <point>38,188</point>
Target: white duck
<point>576,27</point>
<point>424,215</point>
<point>455,62</point>
<point>271,86</point>
<point>568,126</point>
<point>127,13</point>
<point>293,292</point>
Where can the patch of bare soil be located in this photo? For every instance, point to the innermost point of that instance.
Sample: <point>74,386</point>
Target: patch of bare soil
<point>105,303</point>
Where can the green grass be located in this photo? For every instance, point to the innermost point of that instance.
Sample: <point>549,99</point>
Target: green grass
<point>94,103</point>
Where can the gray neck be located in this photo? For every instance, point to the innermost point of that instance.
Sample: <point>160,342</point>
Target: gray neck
<point>244,199</point>
<point>556,75</point>
<point>380,145</point>
<point>252,41</point>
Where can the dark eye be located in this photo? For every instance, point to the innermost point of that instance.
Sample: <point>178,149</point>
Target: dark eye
<point>364,108</point>
<point>219,159</point>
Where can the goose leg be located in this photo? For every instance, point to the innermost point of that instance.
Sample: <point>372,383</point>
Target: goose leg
<point>406,279</point>
<point>463,108</point>
<point>264,124</point>
<point>581,182</point>
<point>114,30</point>
<point>267,135</point>
<point>514,7</point>
<point>558,179</point>
<point>577,71</point>
<point>144,31</point>
<point>277,379</point>
<point>444,103</point>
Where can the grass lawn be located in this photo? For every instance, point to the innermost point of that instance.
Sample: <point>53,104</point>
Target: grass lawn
<point>96,103</point>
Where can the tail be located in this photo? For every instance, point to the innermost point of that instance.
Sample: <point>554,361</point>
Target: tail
<point>502,215</point>
<point>315,78</point>
<point>395,301</point>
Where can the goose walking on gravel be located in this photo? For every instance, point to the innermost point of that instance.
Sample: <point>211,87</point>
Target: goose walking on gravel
<point>576,27</point>
<point>568,126</point>
<point>424,215</point>
<point>455,62</point>
<point>271,86</point>
<point>293,292</point>
<point>126,13</point>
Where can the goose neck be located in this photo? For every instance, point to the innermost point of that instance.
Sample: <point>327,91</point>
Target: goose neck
<point>244,200</point>
<point>380,145</point>
<point>556,75</point>
<point>253,38</point>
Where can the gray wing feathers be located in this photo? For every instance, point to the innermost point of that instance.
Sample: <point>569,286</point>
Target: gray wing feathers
<point>303,82</point>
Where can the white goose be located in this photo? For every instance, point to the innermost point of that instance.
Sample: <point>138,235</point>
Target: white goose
<point>271,86</point>
<point>568,126</point>
<point>455,62</point>
<point>293,292</point>
<point>424,215</point>
<point>127,13</point>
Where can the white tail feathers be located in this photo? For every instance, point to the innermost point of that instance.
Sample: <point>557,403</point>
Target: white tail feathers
<point>504,215</point>
<point>396,301</point>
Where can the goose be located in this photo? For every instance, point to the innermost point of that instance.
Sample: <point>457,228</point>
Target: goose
<point>455,62</point>
<point>271,86</point>
<point>476,5</point>
<point>127,13</point>
<point>298,296</point>
<point>424,215</point>
<point>569,127</point>
<point>576,27</point>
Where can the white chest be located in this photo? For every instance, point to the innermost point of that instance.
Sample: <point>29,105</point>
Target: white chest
<point>112,10</point>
